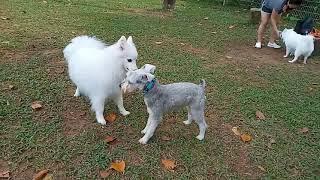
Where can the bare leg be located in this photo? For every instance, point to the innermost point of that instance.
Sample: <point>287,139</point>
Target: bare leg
<point>265,17</point>
<point>274,34</point>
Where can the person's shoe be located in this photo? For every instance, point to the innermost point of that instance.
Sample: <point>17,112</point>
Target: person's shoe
<point>258,45</point>
<point>273,45</point>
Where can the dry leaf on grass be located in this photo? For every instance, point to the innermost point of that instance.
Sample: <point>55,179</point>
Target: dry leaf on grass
<point>206,18</point>
<point>158,42</point>
<point>109,139</point>
<point>228,57</point>
<point>232,26</point>
<point>236,131</point>
<point>246,137</point>
<point>4,18</point>
<point>105,173</point>
<point>36,105</point>
<point>262,168</point>
<point>169,164</point>
<point>111,117</point>
<point>48,177</point>
<point>5,174</point>
<point>165,138</point>
<point>119,166</point>
<point>40,175</point>
<point>260,115</point>
<point>304,130</point>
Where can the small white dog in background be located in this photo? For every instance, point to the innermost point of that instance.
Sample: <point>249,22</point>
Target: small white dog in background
<point>299,45</point>
<point>97,70</point>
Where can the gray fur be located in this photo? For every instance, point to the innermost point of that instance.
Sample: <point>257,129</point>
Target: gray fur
<point>165,98</point>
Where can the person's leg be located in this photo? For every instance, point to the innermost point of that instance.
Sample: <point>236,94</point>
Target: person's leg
<point>265,17</point>
<point>274,35</point>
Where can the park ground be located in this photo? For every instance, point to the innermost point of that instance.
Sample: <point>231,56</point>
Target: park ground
<point>196,41</point>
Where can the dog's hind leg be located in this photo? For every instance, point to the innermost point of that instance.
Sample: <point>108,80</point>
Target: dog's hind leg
<point>98,107</point>
<point>77,93</point>
<point>198,116</point>
<point>187,122</point>
<point>296,56</point>
<point>118,100</point>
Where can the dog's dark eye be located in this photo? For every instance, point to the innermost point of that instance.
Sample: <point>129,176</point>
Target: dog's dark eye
<point>129,60</point>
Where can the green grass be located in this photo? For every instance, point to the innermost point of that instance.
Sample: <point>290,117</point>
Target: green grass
<point>31,42</point>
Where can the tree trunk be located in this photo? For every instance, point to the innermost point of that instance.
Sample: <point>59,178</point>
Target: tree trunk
<point>169,4</point>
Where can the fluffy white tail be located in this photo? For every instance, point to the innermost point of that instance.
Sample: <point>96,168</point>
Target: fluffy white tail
<point>81,42</point>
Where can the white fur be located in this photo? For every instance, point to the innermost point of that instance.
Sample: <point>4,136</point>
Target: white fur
<point>299,45</point>
<point>97,70</point>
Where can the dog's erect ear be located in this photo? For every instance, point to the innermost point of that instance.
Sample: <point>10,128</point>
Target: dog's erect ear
<point>149,68</point>
<point>130,41</point>
<point>122,41</point>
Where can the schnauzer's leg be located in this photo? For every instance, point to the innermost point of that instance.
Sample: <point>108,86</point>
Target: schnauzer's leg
<point>77,93</point>
<point>147,126</point>
<point>154,122</point>
<point>98,107</point>
<point>189,117</point>
<point>199,118</point>
<point>118,100</point>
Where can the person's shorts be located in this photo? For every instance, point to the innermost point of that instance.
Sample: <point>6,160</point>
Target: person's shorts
<point>266,9</point>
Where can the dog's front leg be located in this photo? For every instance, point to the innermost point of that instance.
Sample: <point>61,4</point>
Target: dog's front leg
<point>147,126</point>
<point>154,122</point>
<point>118,100</point>
<point>287,53</point>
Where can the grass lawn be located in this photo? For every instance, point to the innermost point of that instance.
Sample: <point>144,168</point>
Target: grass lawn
<point>65,138</point>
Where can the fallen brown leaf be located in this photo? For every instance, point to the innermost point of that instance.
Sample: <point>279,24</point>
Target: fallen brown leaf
<point>4,18</point>
<point>105,173</point>
<point>232,26</point>
<point>169,164</point>
<point>40,175</point>
<point>119,166</point>
<point>48,177</point>
<point>158,42</point>
<point>304,130</point>
<point>236,131</point>
<point>109,139</point>
<point>36,105</point>
<point>228,57</point>
<point>260,115</point>
<point>5,174</point>
<point>246,137</point>
<point>165,138</point>
<point>11,87</point>
<point>111,117</point>
<point>262,168</point>
<point>206,18</point>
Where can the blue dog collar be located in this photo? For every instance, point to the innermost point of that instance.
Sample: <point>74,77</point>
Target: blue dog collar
<point>149,85</point>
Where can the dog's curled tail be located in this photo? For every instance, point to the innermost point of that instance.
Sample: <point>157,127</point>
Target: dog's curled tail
<point>202,84</point>
<point>81,42</point>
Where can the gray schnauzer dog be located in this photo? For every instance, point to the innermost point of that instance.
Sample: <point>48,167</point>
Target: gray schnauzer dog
<point>161,99</point>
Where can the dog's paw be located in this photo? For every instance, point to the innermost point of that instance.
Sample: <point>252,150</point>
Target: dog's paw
<point>291,61</point>
<point>77,94</point>
<point>102,121</point>
<point>187,122</point>
<point>143,131</point>
<point>143,141</point>
<point>200,137</point>
<point>125,113</point>
<point>285,56</point>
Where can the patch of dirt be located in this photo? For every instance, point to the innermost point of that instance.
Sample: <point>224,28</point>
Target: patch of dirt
<point>236,152</point>
<point>148,12</point>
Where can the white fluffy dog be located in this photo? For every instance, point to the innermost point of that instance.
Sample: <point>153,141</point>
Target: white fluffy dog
<point>299,45</point>
<point>97,70</point>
